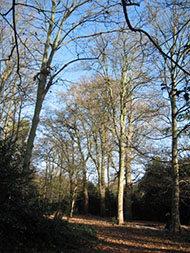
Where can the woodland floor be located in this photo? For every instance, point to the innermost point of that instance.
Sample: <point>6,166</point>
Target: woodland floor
<point>134,236</point>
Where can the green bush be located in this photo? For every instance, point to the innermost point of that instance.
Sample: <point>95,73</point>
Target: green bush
<point>23,228</point>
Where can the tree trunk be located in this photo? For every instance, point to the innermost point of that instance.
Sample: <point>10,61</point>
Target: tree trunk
<point>108,184</point>
<point>122,138</point>
<point>101,171</point>
<point>103,190</point>
<point>128,193</point>
<point>85,186</point>
<point>60,195</point>
<point>73,199</point>
<point>120,216</point>
<point>35,120</point>
<point>128,189</point>
<point>102,201</point>
<point>85,190</point>
<point>43,75</point>
<point>176,225</point>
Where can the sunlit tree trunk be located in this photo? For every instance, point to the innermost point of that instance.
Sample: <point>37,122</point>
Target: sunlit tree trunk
<point>35,121</point>
<point>176,224</point>
<point>108,183</point>
<point>122,138</point>
<point>41,92</point>
<point>128,193</point>
<point>128,181</point>
<point>56,39</point>
<point>73,198</point>
<point>169,28</point>
<point>73,181</point>
<point>120,214</point>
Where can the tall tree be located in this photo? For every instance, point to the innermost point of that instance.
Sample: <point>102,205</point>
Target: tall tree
<point>169,24</point>
<point>89,101</point>
<point>173,82</point>
<point>76,121</point>
<point>63,159</point>
<point>119,58</point>
<point>174,3</point>
<point>55,31</point>
<point>15,90</point>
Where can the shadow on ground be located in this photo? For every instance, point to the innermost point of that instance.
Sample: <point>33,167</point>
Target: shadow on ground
<point>134,237</point>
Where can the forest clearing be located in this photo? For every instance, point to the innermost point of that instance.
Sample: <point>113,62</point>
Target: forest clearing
<point>94,121</point>
<point>136,236</point>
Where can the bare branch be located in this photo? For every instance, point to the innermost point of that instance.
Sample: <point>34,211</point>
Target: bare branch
<point>14,46</point>
<point>66,65</point>
<point>15,37</point>
<point>10,55</point>
<point>149,37</point>
<point>129,3</point>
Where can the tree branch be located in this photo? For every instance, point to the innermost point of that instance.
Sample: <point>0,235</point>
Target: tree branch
<point>15,37</point>
<point>66,65</point>
<point>124,4</point>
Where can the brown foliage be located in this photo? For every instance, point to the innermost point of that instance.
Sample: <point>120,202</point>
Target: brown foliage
<point>135,236</point>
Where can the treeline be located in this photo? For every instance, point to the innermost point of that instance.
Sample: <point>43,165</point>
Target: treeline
<point>150,195</point>
<point>28,198</point>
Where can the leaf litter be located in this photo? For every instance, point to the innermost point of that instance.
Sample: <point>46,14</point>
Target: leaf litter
<point>136,236</point>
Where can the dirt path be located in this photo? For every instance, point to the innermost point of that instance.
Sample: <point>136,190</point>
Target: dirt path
<point>134,237</point>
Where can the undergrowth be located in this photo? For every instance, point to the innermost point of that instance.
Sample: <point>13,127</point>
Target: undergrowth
<point>45,235</point>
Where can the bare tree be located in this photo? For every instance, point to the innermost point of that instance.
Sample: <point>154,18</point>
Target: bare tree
<point>152,39</point>
<point>131,110</point>
<point>15,90</point>
<point>171,39</point>
<point>89,104</point>
<point>55,30</point>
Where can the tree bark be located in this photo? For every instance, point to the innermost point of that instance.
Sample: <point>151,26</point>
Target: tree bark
<point>122,138</point>
<point>128,189</point>
<point>103,189</point>
<point>84,161</point>
<point>35,121</point>
<point>120,214</point>
<point>41,92</point>
<point>176,224</point>
<point>128,180</point>
<point>85,190</point>
<point>100,166</point>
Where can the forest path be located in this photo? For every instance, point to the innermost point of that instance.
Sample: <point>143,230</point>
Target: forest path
<point>134,236</point>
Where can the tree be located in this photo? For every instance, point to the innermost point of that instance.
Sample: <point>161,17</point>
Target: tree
<point>156,188</point>
<point>15,89</point>
<point>64,163</point>
<point>55,31</point>
<point>174,85</point>
<point>76,122</point>
<point>87,103</point>
<point>183,25</point>
<point>184,175</point>
<point>171,41</point>
<point>19,197</point>
<point>127,109</point>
